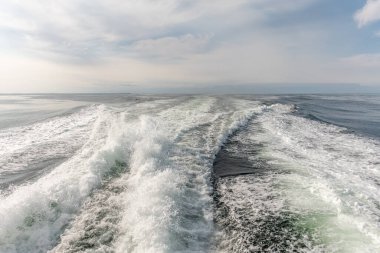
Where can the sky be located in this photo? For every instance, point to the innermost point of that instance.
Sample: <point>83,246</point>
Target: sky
<point>161,45</point>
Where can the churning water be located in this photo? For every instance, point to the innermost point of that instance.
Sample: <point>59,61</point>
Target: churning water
<point>125,173</point>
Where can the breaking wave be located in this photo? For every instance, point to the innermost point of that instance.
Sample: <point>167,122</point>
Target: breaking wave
<point>188,174</point>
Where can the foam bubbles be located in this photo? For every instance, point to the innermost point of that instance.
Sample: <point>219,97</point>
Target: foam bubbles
<point>169,193</point>
<point>28,151</point>
<point>137,178</point>
<point>332,173</point>
<point>35,214</point>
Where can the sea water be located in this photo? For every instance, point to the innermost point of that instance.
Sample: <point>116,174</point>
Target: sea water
<point>181,173</point>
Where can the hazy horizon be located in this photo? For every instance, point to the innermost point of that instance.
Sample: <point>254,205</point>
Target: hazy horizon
<point>219,89</point>
<point>168,46</point>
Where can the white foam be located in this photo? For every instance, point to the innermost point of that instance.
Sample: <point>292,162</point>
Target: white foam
<point>164,203</point>
<point>34,215</point>
<point>332,172</point>
<point>42,142</point>
<point>168,198</point>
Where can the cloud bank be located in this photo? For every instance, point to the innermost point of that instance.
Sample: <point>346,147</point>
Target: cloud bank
<point>79,46</point>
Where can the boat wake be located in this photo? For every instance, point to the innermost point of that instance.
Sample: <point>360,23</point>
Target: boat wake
<point>187,174</point>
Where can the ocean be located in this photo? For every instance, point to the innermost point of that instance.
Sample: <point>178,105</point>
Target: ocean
<point>189,173</point>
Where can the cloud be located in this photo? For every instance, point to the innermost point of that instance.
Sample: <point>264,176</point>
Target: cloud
<point>171,47</point>
<point>369,13</point>
<point>76,45</point>
<point>20,74</point>
<point>359,68</point>
<point>363,60</point>
<point>93,29</point>
<point>73,26</point>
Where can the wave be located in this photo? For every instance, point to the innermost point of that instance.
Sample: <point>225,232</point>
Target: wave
<point>30,150</point>
<point>143,172</point>
<point>317,191</point>
<point>169,193</point>
<point>35,214</point>
<point>138,178</point>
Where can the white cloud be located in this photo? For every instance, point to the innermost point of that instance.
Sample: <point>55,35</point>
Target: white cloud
<point>171,47</point>
<point>369,13</point>
<point>363,61</point>
<point>72,26</point>
<point>102,23</point>
<point>68,45</point>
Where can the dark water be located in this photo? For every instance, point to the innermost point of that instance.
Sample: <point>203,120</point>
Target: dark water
<point>128,173</point>
<point>250,182</point>
<point>360,114</point>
